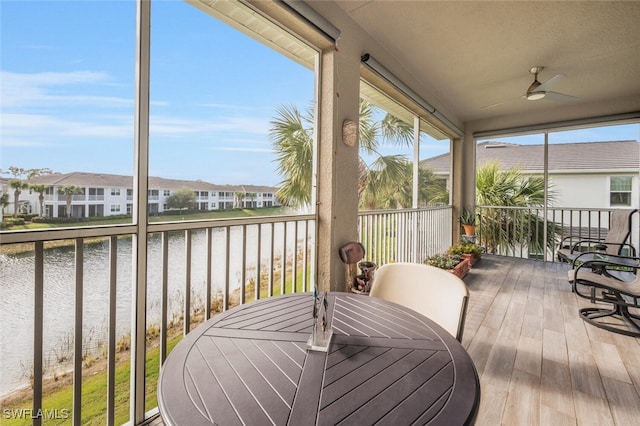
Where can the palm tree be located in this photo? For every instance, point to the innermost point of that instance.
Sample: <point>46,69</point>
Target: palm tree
<point>20,182</point>
<point>69,191</point>
<point>4,202</point>
<point>291,137</point>
<point>389,185</point>
<point>239,199</point>
<point>384,183</point>
<point>252,199</point>
<point>512,227</point>
<point>18,185</point>
<point>39,188</point>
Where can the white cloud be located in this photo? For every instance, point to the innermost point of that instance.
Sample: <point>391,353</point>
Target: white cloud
<point>21,143</point>
<point>45,128</point>
<point>173,126</point>
<point>241,149</point>
<point>37,90</point>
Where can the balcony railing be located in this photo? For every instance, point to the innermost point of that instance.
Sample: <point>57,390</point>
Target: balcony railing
<point>196,269</point>
<point>409,235</point>
<point>74,197</point>
<point>520,231</point>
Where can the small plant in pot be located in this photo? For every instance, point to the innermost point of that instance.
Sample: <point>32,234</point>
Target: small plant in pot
<point>468,221</point>
<point>452,263</point>
<point>465,249</point>
<point>443,261</point>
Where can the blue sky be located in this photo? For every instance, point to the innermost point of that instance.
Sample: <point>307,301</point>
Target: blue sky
<point>67,89</point>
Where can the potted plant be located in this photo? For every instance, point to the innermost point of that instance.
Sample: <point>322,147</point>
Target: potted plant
<point>468,221</point>
<point>468,250</point>
<point>452,263</point>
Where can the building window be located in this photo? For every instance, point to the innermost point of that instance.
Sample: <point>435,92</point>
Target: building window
<point>115,192</point>
<point>620,191</point>
<point>166,192</point>
<point>115,208</point>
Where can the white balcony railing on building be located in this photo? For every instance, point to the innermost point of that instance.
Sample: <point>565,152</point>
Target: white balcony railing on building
<point>75,197</point>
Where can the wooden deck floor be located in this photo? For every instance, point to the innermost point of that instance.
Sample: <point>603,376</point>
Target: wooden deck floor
<point>538,362</point>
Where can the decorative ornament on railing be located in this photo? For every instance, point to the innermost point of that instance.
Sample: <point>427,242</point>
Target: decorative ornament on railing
<point>365,279</point>
<point>321,333</point>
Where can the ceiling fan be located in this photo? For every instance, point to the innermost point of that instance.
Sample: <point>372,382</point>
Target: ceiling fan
<point>537,90</point>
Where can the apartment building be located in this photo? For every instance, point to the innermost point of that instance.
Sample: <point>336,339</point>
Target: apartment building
<point>103,194</point>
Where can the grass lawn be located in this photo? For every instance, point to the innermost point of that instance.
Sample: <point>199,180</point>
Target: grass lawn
<point>94,394</point>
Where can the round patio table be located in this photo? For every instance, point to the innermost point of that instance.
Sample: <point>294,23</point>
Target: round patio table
<point>386,364</point>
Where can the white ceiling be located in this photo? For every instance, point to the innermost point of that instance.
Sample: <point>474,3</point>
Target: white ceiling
<point>464,56</point>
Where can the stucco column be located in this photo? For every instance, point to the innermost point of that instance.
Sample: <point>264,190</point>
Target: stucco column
<point>463,178</point>
<point>337,171</point>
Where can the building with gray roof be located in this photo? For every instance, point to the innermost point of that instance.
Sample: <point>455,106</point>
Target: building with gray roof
<point>107,194</point>
<point>581,175</point>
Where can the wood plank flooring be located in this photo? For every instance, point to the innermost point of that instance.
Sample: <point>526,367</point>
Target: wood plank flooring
<point>538,362</point>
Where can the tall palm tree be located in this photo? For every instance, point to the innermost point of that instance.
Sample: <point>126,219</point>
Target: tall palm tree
<point>39,188</point>
<point>17,185</point>
<point>239,199</point>
<point>512,227</point>
<point>291,137</point>
<point>252,198</point>
<point>69,191</point>
<point>389,185</point>
<point>20,182</point>
<point>4,202</point>
<point>386,182</point>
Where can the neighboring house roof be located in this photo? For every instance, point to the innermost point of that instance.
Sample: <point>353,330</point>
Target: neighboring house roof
<point>615,155</point>
<point>104,180</point>
<point>84,179</point>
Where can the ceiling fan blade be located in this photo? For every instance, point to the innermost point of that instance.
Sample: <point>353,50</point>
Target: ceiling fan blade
<point>501,103</point>
<point>547,85</point>
<point>555,96</point>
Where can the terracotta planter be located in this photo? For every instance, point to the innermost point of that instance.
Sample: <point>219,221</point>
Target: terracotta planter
<point>461,269</point>
<point>469,229</point>
<point>472,258</point>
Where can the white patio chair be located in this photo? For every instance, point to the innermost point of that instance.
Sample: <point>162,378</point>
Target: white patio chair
<point>433,292</point>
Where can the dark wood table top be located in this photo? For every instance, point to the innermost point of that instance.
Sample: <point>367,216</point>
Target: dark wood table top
<point>387,364</point>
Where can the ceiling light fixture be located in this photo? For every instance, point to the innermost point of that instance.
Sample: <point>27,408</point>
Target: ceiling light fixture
<point>534,96</point>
